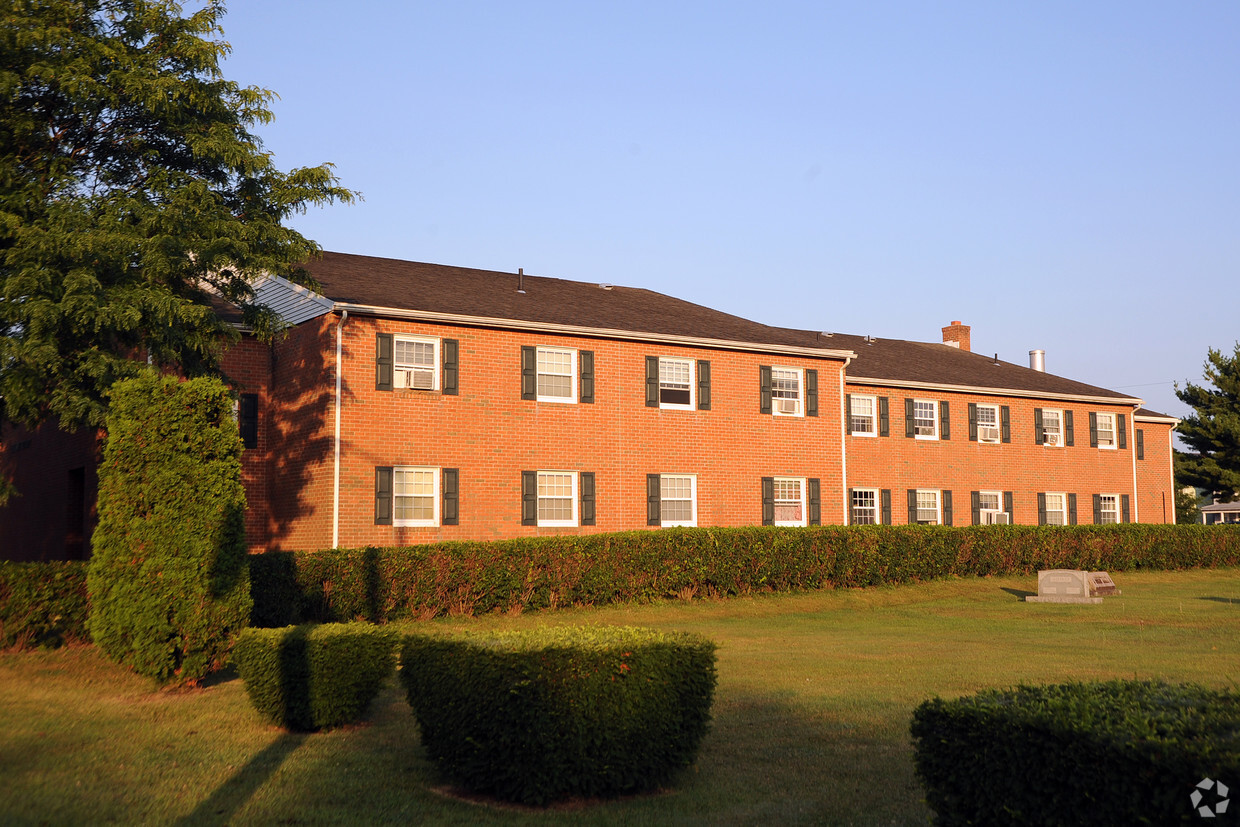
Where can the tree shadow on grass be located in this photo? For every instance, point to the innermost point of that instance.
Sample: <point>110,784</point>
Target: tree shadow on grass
<point>1235,601</point>
<point>232,795</point>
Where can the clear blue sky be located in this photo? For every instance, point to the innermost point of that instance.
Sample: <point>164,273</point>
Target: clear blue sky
<point>1058,175</point>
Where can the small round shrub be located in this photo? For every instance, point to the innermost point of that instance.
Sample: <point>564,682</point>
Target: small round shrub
<point>309,677</point>
<point>556,713</point>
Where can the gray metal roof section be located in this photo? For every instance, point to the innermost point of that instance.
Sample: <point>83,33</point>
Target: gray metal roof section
<point>291,302</point>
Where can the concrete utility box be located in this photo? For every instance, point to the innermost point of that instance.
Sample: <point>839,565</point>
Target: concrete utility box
<point>1065,586</point>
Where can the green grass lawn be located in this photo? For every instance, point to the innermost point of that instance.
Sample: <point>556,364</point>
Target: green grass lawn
<point>810,718</point>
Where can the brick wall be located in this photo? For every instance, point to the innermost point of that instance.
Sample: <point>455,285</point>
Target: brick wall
<point>1155,488</point>
<point>55,473</point>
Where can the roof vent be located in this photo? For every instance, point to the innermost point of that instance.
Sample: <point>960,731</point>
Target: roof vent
<point>869,340</point>
<point>605,286</point>
<point>997,362</point>
<point>521,280</point>
<point>1037,360</point>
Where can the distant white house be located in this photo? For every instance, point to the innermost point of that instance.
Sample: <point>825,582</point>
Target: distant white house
<point>1218,512</point>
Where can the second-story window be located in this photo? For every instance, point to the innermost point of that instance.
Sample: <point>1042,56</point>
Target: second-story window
<point>556,375</point>
<point>1106,430</point>
<point>416,363</point>
<point>862,417</point>
<point>925,419</point>
<point>675,383</point>
<point>785,392</point>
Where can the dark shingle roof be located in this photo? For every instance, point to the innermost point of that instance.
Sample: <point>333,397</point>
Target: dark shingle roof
<point>406,285</point>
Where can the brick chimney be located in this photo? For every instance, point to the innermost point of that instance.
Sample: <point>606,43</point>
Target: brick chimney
<point>957,335</point>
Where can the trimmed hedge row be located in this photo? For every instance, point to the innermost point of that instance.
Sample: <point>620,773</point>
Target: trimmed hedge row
<point>470,578</point>
<point>309,677</point>
<point>1120,752</point>
<point>42,604</point>
<point>553,713</point>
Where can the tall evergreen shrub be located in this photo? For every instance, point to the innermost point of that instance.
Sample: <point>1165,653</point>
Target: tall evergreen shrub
<point>168,581</point>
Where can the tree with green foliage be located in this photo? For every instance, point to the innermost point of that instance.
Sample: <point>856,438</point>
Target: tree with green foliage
<point>1212,431</point>
<point>133,192</point>
<point>168,581</point>
<point>1186,509</point>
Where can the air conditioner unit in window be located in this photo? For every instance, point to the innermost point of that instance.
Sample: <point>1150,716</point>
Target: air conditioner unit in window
<point>788,406</point>
<point>990,517</point>
<point>1050,439</point>
<point>987,433</point>
<point>421,380</point>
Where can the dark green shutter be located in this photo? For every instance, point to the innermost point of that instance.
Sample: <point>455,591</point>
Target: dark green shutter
<point>529,380</point>
<point>1121,426</point>
<point>383,361</point>
<point>247,419</point>
<point>653,497</point>
<point>652,381</point>
<point>910,428</point>
<point>703,383</point>
<point>945,422</point>
<point>768,501</point>
<point>1007,505</point>
<point>587,498</point>
<point>1140,443</point>
<point>1097,509</point>
<point>886,500</point>
<point>945,498</point>
<point>1067,428</point>
<point>585,370</point>
<point>912,506</point>
<point>811,392</point>
<point>1005,423</point>
<point>1041,509</point>
<point>451,367</point>
<point>383,495</point>
<point>1072,509</point>
<point>764,389</point>
<point>1093,430</point>
<point>1123,509</point>
<point>973,422</point>
<point>848,414</point>
<point>884,420</point>
<point>529,498</point>
<point>975,500</point>
<point>451,497</point>
<point>851,518</point>
<point>1038,437</point>
<point>815,501</point>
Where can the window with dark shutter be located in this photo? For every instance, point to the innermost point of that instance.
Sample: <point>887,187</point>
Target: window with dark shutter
<point>910,426</point>
<point>383,495</point>
<point>451,367</point>
<point>973,423</point>
<point>764,393</point>
<point>1140,443</point>
<point>811,392</point>
<point>1122,428</point>
<point>1007,505</point>
<point>912,506</point>
<point>451,507</point>
<point>703,384</point>
<point>1097,509</point>
<point>383,361</point>
<point>654,510</point>
<point>1072,509</point>
<point>815,501</point>
<point>247,419</point>
<point>1093,430</point>
<point>1123,509</point>
<point>529,384</point>
<point>1041,509</point>
<point>585,376</point>
<point>885,497</point>
<point>587,498</point>
<point>1005,423</point>
<point>884,419</point>
<point>1038,437</point>
<point>947,507</point>
<point>768,501</point>
<point>652,381</point>
<point>1067,429</point>
<point>529,498</point>
<point>945,422</point>
<point>975,503</point>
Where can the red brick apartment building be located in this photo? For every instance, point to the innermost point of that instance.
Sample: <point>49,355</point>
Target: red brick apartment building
<point>414,402</point>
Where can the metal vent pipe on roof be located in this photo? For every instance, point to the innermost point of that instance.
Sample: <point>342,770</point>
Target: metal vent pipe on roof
<point>1037,360</point>
<point>520,279</point>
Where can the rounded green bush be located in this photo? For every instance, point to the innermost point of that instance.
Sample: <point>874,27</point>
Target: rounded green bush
<point>310,677</point>
<point>556,713</point>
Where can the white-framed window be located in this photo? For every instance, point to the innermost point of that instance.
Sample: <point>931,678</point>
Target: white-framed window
<point>415,496</point>
<point>556,374</point>
<point>1052,428</point>
<point>415,363</point>
<point>1056,508</point>
<point>678,499</point>
<point>790,501</point>
<point>988,423</point>
<point>928,507</point>
<point>990,505</point>
<point>676,383</point>
<point>786,395</point>
<point>557,498</point>
<point>864,506</point>
<point>863,415</point>
<point>1108,505</point>
<point>1106,430</point>
<point>925,419</point>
